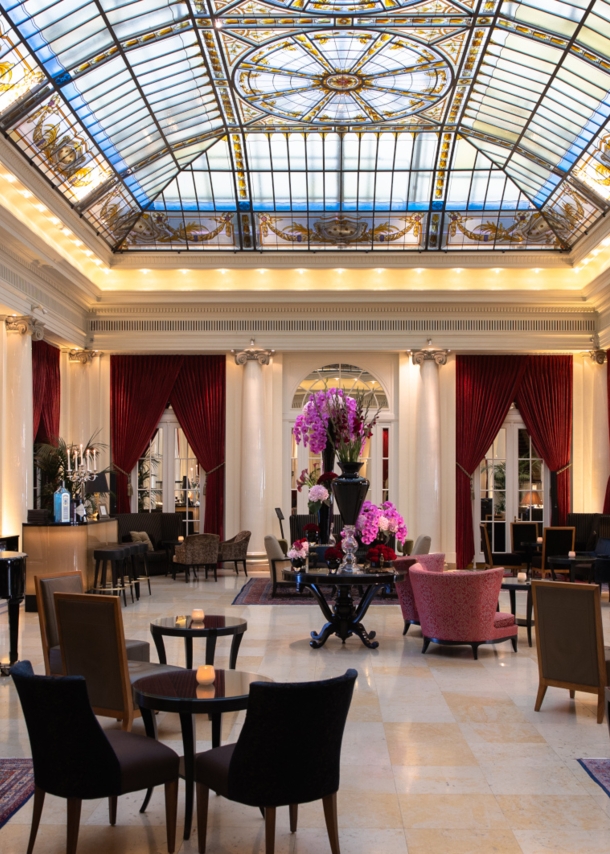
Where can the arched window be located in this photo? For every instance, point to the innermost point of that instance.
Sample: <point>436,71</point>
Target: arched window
<point>376,453</point>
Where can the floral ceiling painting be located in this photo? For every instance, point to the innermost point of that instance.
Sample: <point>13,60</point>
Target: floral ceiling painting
<point>304,125</point>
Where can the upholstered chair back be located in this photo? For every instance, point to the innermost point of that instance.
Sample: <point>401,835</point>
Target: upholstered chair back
<point>237,547</point>
<point>404,590</point>
<point>275,767</point>
<point>72,756</point>
<point>422,545</point>
<point>198,550</point>
<point>65,582</point>
<point>273,548</point>
<point>456,605</point>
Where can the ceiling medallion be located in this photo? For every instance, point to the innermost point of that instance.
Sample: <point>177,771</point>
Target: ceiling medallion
<point>355,76</point>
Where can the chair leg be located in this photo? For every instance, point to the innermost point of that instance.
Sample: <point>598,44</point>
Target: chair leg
<point>294,815</point>
<point>572,694</point>
<point>540,697</point>
<point>74,806</point>
<point>475,651</point>
<point>245,568</point>
<point>203,797</point>
<point>112,805</point>
<point>269,830</point>
<point>171,813</point>
<point>332,826</point>
<point>600,706</point>
<point>513,640</point>
<point>407,627</point>
<point>426,645</point>
<point>38,805</point>
<point>127,722</point>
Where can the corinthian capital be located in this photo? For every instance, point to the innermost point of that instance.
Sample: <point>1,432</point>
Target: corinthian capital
<point>252,354</point>
<point>26,325</point>
<point>430,353</point>
<point>83,356</point>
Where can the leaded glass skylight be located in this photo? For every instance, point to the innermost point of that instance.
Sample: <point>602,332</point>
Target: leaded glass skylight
<point>315,124</point>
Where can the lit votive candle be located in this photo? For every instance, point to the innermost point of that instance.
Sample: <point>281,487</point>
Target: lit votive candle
<point>539,540</point>
<point>206,674</point>
<point>521,577</point>
<point>197,615</point>
<point>180,539</point>
<point>571,554</point>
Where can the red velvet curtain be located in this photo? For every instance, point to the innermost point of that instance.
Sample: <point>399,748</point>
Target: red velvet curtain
<point>607,498</point>
<point>485,389</point>
<point>198,399</point>
<point>140,387</point>
<point>46,391</point>
<point>544,399</point>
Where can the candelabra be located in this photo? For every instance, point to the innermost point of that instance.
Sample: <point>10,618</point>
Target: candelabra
<point>82,468</point>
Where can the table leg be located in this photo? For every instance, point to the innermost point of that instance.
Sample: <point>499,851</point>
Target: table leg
<point>216,722</point>
<point>150,725</point>
<point>513,602</point>
<point>318,639</point>
<point>210,648</point>
<point>187,722</point>
<point>235,644</point>
<point>13,627</point>
<point>188,651</point>
<point>158,639</point>
<point>528,616</point>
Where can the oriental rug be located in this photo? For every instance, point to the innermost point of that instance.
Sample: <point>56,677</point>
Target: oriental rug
<point>599,771</point>
<point>257,591</point>
<point>16,786</point>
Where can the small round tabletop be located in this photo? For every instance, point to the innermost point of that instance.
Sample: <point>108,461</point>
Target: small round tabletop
<point>514,584</point>
<point>185,626</point>
<point>12,555</point>
<point>361,576</point>
<point>179,691</point>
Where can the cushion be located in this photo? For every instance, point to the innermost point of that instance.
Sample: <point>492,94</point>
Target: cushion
<point>144,761</point>
<point>137,650</point>
<point>212,768</point>
<point>142,537</point>
<point>503,620</point>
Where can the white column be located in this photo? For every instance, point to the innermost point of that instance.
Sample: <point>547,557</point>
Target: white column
<point>17,440</point>
<point>253,446</point>
<point>428,467</point>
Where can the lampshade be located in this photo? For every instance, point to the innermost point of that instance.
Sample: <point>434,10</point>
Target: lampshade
<point>99,484</point>
<point>531,499</point>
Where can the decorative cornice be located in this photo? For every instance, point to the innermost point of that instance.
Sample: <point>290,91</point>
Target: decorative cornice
<point>83,356</point>
<point>597,353</point>
<point>25,324</point>
<point>430,354</point>
<point>251,354</point>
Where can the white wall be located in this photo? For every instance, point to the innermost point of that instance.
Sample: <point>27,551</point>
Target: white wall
<point>591,450</point>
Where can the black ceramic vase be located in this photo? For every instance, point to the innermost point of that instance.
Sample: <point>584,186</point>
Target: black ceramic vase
<point>350,491</point>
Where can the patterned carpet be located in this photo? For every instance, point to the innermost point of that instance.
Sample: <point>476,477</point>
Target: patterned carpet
<point>598,770</point>
<point>257,591</point>
<point>16,786</point>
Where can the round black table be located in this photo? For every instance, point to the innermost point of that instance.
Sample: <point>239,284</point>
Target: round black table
<point>512,585</point>
<point>178,691</point>
<point>585,560</point>
<point>212,627</point>
<point>345,619</point>
<point>12,588</point>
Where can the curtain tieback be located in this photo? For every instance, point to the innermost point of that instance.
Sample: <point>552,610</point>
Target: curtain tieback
<point>470,478</point>
<point>119,469</point>
<point>565,468</point>
<point>220,465</point>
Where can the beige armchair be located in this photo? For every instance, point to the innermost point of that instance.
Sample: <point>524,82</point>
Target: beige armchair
<point>275,555</point>
<point>197,550</point>
<point>235,550</point>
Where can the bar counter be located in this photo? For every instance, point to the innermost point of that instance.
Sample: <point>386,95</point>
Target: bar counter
<point>61,548</point>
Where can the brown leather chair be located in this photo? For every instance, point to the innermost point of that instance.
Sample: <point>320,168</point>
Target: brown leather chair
<point>570,640</point>
<point>92,644</point>
<point>75,759</point>
<point>68,582</point>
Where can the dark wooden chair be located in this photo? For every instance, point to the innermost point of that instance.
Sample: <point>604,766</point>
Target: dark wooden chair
<point>270,767</point>
<point>497,559</point>
<point>523,534</point>
<point>556,541</point>
<point>570,640</point>
<point>74,758</point>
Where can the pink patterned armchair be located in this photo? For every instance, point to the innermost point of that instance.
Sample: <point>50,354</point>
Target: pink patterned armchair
<point>460,608</point>
<point>404,591</point>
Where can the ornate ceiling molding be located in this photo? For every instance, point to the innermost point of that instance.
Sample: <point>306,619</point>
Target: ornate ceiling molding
<point>25,325</point>
<point>83,357</point>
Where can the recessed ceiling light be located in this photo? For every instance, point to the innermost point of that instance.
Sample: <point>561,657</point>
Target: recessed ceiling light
<point>222,271</point>
<point>381,269</point>
<point>536,270</point>
<point>8,177</point>
<point>145,271</point>
<point>339,270</point>
<point>497,270</point>
<point>184,272</point>
<point>458,270</point>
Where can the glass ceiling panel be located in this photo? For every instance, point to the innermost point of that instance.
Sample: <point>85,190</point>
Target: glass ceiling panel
<point>315,124</point>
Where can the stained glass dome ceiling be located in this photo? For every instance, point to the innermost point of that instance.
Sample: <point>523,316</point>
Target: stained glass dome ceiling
<point>310,125</point>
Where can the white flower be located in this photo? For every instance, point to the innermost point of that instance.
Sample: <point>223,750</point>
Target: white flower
<point>318,493</point>
<point>384,523</point>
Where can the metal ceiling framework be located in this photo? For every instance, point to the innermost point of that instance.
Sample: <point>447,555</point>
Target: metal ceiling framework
<point>315,124</point>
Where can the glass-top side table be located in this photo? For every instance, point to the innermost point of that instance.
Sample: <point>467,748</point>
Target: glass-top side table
<point>211,627</point>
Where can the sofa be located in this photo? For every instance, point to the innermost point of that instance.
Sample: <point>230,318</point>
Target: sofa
<point>160,527</point>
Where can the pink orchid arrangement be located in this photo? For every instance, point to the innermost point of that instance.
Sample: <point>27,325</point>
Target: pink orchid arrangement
<point>377,523</point>
<point>343,418</point>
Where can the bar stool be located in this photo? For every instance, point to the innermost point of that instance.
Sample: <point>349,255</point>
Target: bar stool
<point>140,566</point>
<point>117,555</point>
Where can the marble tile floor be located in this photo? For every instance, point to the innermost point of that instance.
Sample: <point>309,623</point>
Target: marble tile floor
<point>441,755</point>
